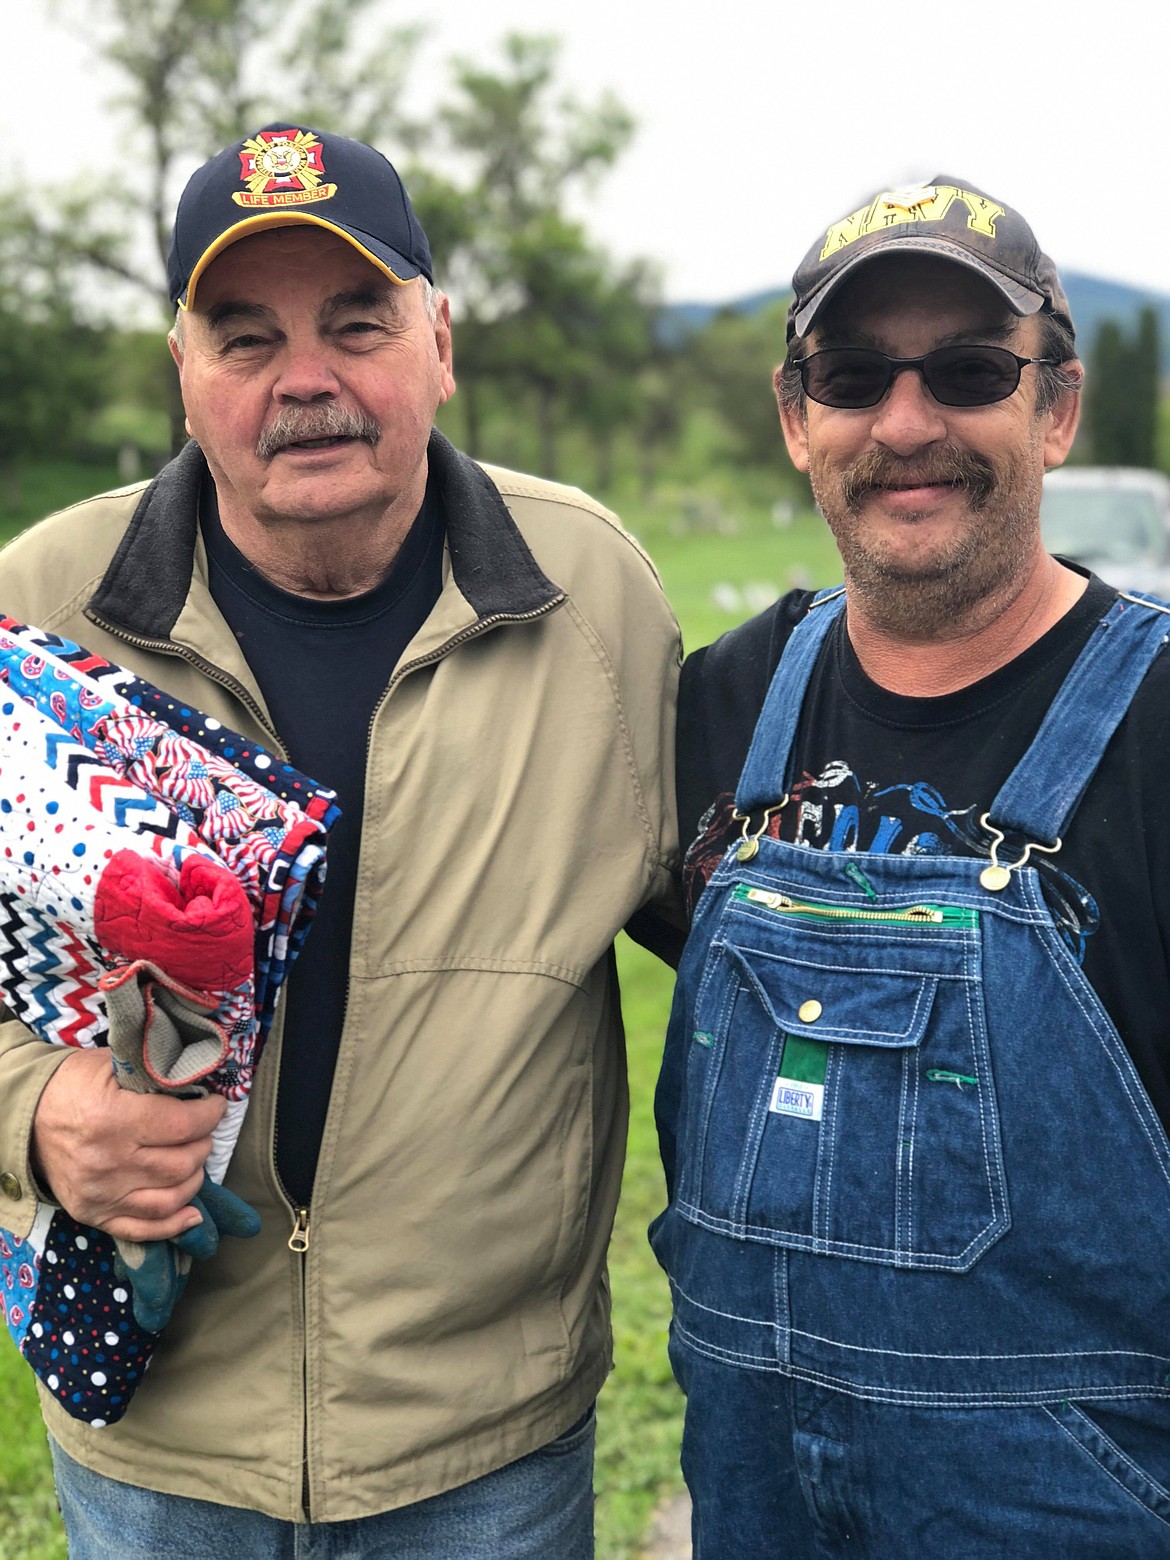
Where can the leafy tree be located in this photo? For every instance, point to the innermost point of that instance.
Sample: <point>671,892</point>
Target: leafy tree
<point>1106,394</point>
<point>1122,393</point>
<point>1145,389</point>
<point>576,339</point>
<point>540,309</point>
<point>50,360</point>
<point>608,397</point>
<point>658,415</point>
<point>196,73</point>
<point>730,366</point>
<point>542,312</point>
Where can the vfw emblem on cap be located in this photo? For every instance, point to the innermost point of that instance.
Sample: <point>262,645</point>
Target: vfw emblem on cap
<point>282,168</point>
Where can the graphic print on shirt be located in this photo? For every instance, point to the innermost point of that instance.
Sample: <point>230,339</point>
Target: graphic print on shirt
<point>836,809</point>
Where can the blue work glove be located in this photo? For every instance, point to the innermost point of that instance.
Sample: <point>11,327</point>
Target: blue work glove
<point>157,1270</point>
<point>223,1214</point>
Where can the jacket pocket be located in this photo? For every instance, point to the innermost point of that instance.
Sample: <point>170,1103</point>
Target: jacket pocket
<point>839,1093</point>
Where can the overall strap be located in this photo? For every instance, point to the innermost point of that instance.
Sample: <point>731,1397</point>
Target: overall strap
<point>765,775</point>
<point>1041,794</point>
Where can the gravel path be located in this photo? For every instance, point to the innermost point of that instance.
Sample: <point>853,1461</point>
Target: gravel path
<point>670,1532</point>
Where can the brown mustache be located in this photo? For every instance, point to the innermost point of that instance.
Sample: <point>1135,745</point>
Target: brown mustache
<point>297,423</point>
<point>878,469</point>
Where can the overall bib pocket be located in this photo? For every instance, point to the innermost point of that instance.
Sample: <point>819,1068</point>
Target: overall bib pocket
<point>839,1096</point>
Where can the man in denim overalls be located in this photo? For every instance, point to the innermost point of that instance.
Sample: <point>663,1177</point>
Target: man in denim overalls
<point>913,1108</point>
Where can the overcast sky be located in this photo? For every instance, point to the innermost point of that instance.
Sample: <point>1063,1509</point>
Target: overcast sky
<point>759,124</point>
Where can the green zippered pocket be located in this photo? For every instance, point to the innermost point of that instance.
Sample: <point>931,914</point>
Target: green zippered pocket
<point>913,915</point>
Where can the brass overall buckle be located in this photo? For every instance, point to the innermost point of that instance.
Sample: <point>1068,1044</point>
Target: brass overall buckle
<point>995,875</point>
<point>750,843</point>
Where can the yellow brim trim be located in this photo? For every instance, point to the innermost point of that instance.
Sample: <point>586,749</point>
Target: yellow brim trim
<point>275,219</point>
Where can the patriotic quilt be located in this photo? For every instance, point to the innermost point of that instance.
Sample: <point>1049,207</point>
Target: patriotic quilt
<point>142,845</point>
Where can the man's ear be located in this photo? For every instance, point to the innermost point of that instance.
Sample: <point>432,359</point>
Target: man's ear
<point>1061,420</point>
<point>794,423</point>
<point>445,350</point>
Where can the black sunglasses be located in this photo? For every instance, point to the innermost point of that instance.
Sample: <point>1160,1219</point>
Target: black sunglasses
<point>853,377</point>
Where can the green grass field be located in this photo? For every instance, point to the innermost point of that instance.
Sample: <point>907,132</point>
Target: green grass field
<point>717,569</point>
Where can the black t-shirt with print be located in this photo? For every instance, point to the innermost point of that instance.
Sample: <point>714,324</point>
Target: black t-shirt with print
<point>881,771</point>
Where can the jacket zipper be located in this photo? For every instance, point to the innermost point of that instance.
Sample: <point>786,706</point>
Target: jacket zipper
<point>225,680</point>
<point>298,1241</point>
<point>473,631</point>
<point>918,915</point>
<point>182,653</point>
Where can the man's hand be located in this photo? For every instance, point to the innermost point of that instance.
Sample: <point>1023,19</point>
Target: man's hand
<point>129,1164</point>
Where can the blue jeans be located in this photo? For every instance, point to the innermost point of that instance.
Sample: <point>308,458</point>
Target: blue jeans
<point>538,1508</point>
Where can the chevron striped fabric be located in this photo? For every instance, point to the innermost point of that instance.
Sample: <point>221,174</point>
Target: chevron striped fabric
<point>111,793</point>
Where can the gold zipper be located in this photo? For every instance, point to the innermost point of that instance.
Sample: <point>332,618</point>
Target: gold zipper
<point>299,1239</point>
<point>932,915</point>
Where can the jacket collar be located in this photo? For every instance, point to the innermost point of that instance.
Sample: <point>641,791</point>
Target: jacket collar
<point>149,577</point>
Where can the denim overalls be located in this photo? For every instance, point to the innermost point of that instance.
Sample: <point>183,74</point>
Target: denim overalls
<point>919,1229</point>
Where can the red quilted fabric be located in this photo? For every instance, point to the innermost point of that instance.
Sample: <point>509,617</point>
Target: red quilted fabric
<point>200,930</point>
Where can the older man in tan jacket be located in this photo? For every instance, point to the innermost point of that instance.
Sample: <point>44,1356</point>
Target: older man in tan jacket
<point>483,665</point>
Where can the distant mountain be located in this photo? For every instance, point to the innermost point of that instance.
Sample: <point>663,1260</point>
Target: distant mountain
<point>677,321</point>
<point>1091,299</point>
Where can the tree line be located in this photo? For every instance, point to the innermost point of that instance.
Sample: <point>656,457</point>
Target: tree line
<point>560,356</point>
<point>1122,397</point>
<point>553,335</point>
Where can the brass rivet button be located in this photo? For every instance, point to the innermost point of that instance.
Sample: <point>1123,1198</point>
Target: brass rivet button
<point>810,1011</point>
<point>10,1186</point>
<point>994,878</point>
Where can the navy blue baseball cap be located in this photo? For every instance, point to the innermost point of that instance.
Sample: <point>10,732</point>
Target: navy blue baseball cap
<point>284,176</point>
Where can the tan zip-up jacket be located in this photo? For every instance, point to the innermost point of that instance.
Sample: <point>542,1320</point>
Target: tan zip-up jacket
<point>450,1312</point>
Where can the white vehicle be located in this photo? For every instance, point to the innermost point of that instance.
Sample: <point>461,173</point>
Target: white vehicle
<point>1114,520</point>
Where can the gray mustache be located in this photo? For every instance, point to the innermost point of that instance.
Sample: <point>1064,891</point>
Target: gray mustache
<point>295,423</point>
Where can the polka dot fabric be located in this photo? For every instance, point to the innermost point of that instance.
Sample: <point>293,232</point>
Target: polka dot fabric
<point>81,1337</point>
<point>266,820</point>
<point>66,824</point>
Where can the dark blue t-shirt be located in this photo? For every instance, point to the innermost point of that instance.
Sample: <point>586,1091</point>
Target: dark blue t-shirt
<point>323,667</point>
